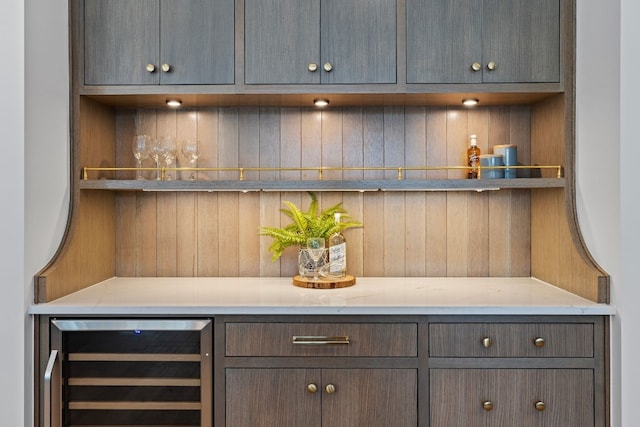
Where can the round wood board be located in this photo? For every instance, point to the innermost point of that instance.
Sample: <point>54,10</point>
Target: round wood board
<point>327,283</point>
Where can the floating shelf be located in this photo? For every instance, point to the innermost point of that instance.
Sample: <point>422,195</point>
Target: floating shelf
<point>313,185</point>
<point>243,185</point>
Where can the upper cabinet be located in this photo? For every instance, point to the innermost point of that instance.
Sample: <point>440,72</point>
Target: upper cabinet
<point>483,41</point>
<point>320,41</point>
<point>150,42</point>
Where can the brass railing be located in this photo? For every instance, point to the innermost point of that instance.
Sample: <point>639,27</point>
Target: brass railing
<point>400,170</point>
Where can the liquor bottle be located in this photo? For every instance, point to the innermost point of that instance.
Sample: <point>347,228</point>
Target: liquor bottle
<point>337,253</point>
<point>473,157</point>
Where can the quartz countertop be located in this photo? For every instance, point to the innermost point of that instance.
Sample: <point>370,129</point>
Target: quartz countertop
<point>208,296</point>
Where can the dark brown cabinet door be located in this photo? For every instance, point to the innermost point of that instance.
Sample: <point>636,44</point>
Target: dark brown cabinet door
<point>483,41</point>
<point>120,39</point>
<point>320,41</point>
<point>321,397</point>
<point>141,42</point>
<point>511,397</point>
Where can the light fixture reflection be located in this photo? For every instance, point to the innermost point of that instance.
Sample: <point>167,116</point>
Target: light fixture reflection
<point>174,103</point>
<point>470,102</point>
<point>321,102</point>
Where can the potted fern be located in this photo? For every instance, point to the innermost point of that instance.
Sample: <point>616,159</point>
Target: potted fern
<point>305,225</point>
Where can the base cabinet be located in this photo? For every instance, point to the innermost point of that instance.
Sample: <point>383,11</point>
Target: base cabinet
<point>321,397</point>
<point>511,397</point>
<point>321,371</point>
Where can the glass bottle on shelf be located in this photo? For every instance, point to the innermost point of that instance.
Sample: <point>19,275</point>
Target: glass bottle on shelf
<point>473,157</point>
<point>337,252</point>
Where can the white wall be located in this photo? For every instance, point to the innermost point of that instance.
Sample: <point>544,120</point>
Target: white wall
<point>12,303</point>
<point>601,192</point>
<point>627,293</point>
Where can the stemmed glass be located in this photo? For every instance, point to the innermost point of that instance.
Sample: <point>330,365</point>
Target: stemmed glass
<point>157,154</point>
<point>315,249</point>
<point>169,149</point>
<point>191,151</point>
<point>141,146</point>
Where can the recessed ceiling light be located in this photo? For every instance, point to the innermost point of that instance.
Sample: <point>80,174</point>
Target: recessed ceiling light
<point>470,102</point>
<point>321,102</point>
<point>174,103</point>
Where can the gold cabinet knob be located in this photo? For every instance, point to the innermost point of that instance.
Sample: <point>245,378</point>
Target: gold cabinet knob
<point>330,388</point>
<point>492,65</point>
<point>312,67</point>
<point>166,67</point>
<point>538,342</point>
<point>540,406</point>
<point>327,66</point>
<point>150,68</point>
<point>312,388</point>
<point>487,405</point>
<point>476,66</point>
<point>487,342</point>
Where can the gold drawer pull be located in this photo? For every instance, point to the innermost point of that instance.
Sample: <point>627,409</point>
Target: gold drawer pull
<point>330,388</point>
<point>540,406</point>
<point>539,342</point>
<point>487,405</point>
<point>487,342</point>
<point>318,340</point>
<point>312,388</point>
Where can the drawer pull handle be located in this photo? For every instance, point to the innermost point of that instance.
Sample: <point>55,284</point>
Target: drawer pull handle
<point>312,388</point>
<point>318,340</point>
<point>487,342</point>
<point>487,405</point>
<point>539,342</point>
<point>540,406</point>
<point>330,388</point>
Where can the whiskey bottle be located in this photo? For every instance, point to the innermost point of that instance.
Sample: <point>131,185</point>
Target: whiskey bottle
<point>473,157</point>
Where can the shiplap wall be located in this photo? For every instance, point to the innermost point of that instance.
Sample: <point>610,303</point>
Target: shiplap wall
<point>405,233</point>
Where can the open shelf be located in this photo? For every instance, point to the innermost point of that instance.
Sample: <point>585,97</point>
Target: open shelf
<point>329,185</point>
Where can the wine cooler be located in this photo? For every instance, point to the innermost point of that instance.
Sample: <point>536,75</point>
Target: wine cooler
<point>136,372</point>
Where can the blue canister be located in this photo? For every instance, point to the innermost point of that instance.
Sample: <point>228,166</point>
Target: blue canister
<point>488,160</point>
<point>509,157</point>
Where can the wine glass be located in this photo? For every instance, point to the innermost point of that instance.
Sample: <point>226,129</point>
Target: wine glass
<point>157,154</point>
<point>191,152</point>
<point>169,150</point>
<point>141,146</point>
<point>315,249</point>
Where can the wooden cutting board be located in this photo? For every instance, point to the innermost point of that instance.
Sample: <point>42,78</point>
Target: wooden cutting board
<point>324,283</point>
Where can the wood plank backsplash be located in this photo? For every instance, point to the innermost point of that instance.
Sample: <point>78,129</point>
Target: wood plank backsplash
<point>405,233</point>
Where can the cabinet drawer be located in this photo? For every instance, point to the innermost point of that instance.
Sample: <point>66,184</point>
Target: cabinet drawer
<point>322,339</point>
<point>511,340</point>
<point>511,397</point>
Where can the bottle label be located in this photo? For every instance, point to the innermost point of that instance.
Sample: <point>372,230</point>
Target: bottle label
<point>338,258</point>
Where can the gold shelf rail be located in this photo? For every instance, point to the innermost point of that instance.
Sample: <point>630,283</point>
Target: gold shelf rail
<point>400,170</point>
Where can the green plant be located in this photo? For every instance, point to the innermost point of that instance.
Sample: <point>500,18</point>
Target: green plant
<point>306,224</point>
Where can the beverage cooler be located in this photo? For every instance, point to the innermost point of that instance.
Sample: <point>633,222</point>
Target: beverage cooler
<point>134,372</point>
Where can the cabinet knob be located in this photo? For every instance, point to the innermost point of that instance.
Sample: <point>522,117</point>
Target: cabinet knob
<point>487,342</point>
<point>476,66</point>
<point>327,66</point>
<point>312,67</point>
<point>540,406</point>
<point>166,67</point>
<point>312,388</point>
<point>487,405</point>
<point>539,342</point>
<point>150,68</point>
<point>330,388</point>
<point>492,65</point>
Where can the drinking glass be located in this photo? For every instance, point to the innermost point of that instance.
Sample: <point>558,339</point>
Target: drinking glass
<point>157,154</point>
<point>191,152</point>
<point>169,150</point>
<point>315,249</point>
<point>141,147</point>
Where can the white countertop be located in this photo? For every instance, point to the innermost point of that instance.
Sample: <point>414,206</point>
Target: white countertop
<point>207,296</point>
